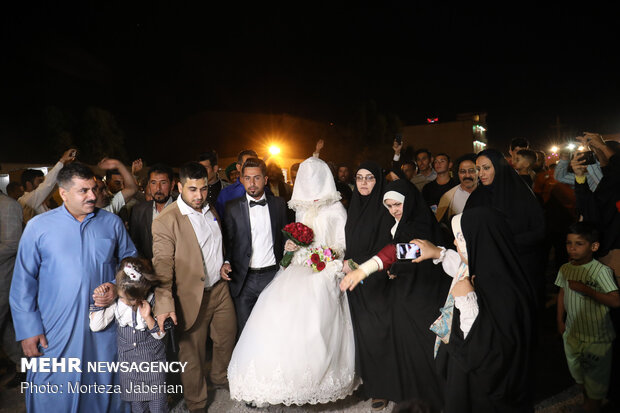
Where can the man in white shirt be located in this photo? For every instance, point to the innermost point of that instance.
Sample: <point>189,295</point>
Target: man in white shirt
<point>37,189</point>
<point>187,257</point>
<point>453,202</point>
<point>254,242</point>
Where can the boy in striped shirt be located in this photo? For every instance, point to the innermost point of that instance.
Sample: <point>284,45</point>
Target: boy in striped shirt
<point>587,290</point>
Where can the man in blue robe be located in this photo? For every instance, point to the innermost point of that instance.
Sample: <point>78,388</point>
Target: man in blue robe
<point>63,256</point>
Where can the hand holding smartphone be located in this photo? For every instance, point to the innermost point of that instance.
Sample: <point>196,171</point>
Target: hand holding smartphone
<point>406,251</point>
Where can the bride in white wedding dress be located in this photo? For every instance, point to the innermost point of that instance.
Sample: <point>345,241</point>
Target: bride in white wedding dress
<point>297,346</point>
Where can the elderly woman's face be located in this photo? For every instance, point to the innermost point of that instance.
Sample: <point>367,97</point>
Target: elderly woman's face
<point>395,208</point>
<point>486,171</point>
<point>365,181</point>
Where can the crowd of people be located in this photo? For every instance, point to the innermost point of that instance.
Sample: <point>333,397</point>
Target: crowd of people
<point>118,268</point>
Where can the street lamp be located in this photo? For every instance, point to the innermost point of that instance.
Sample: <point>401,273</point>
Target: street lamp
<point>274,150</point>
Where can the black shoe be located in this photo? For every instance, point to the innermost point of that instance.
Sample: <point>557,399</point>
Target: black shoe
<point>16,380</point>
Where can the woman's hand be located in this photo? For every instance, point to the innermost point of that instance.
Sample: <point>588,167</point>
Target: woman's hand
<point>462,287</point>
<point>345,267</point>
<point>351,280</point>
<point>428,250</point>
<point>290,246</point>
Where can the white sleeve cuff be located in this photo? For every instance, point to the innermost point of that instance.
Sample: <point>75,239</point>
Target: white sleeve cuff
<point>442,256</point>
<point>468,307</point>
<point>396,157</point>
<point>370,266</point>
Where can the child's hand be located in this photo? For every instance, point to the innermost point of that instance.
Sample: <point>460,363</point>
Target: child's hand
<point>578,286</point>
<point>145,309</point>
<point>104,295</point>
<point>102,289</point>
<point>561,327</point>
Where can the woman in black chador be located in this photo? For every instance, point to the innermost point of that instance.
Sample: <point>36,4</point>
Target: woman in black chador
<point>414,297</point>
<point>503,190</point>
<point>484,331</point>
<point>367,230</point>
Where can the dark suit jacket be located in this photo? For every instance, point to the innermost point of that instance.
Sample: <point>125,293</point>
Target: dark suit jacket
<point>238,236</point>
<point>140,223</point>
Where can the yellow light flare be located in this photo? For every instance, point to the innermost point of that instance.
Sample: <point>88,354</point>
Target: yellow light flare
<point>554,149</point>
<point>274,150</point>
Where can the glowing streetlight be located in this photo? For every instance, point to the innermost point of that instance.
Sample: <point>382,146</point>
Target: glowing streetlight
<point>581,148</point>
<point>554,149</point>
<point>274,150</point>
<point>571,146</point>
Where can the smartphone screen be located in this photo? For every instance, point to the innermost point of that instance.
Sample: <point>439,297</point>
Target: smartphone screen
<point>406,251</point>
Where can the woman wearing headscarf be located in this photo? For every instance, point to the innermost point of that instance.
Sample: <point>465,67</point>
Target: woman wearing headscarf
<point>503,190</point>
<point>298,345</point>
<point>484,331</point>
<point>367,230</point>
<point>415,294</point>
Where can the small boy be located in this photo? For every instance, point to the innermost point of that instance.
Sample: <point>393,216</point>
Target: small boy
<point>587,290</point>
<point>524,162</point>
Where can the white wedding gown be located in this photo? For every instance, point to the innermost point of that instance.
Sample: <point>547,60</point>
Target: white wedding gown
<point>297,346</point>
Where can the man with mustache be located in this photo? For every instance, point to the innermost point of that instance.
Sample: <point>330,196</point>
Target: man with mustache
<point>253,238</point>
<point>142,215</point>
<point>453,201</point>
<point>63,256</point>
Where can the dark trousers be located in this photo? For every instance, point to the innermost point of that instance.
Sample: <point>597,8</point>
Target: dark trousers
<point>254,284</point>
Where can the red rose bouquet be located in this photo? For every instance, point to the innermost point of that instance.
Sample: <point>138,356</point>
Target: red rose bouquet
<point>300,234</point>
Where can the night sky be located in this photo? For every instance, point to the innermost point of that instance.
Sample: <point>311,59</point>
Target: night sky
<point>154,64</point>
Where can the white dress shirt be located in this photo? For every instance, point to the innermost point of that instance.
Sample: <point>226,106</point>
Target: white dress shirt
<point>262,238</point>
<point>209,238</point>
<point>459,200</point>
<point>33,202</point>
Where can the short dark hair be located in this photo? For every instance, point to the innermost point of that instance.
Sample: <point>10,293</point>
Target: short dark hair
<point>443,154</point>
<point>192,170</point>
<point>110,172</point>
<point>409,162</point>
<point>246,152</point>
<point>73,170</point>
<point>12,186</point>
<point>210,156</point>
<point>528,154</point>
<point>586,230</point>
<point>29,175</point>
<point>255,163</point>
<point>520,142</point>
<point>423,150</point>
<point>295,166</point>
<point>343,165</point>
<point>466,157</point>
<point>160,168</point>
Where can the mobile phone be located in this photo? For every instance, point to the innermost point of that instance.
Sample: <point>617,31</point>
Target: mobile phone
<point>405,251</point>
<point>398,138</point>
<point>74,153</point>
<point>588,157</point>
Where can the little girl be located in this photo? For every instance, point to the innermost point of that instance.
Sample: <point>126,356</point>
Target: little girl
<point>138,335</point>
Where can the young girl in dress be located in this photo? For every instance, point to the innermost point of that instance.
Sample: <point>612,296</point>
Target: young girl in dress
<point>138,335</point>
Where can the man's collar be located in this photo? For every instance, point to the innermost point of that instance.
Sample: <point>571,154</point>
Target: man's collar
<point>186,209</point>
<point>249,198</point>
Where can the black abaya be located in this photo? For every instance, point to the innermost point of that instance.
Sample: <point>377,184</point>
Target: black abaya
<point>367,230</point>
<point>517,203</point>
<point>416,295</point>
<point>489,371</point>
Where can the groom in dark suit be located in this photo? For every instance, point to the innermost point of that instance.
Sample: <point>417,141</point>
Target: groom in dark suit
<point>253,237</point>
